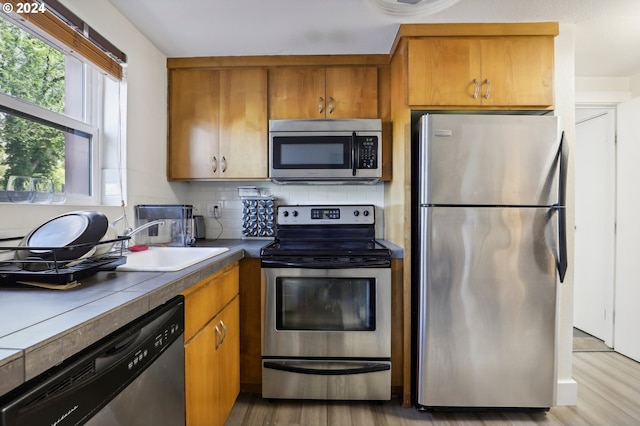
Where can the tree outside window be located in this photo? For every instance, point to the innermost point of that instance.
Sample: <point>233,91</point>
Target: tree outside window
<point>35,72</point>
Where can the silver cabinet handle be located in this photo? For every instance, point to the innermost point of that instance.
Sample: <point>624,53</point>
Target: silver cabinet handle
<point>475,93</point>
<point>220,336</point>
<point>224,327</point>
<point>214,163</point>
<point>224,164</point>
<point>320,104</point>
<point>330,108</point>
<point>486,95</point>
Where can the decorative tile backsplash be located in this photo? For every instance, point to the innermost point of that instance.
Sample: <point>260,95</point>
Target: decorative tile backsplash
<point>225,196</point>
<point>258,217</point>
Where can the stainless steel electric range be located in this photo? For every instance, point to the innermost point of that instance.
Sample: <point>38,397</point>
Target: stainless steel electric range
<point>326,311</point>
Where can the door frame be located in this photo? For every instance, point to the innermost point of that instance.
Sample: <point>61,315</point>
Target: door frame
<point>609,303</point>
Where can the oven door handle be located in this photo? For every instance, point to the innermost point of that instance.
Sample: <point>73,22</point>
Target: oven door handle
<point>319,264</point>
<point>297,367</point>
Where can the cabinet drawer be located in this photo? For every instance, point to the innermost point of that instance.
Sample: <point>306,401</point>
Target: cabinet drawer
<point>206,299</point>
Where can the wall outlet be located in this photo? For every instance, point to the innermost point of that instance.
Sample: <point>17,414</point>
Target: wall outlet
<point>213,210</point>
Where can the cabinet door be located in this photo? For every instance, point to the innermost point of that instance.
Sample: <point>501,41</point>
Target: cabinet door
<point>193,123</point>
<point>201,371</point>
<point>207,298</point>
<point>520,70</point>
<point>442,70</point>
<point>335,92</point>
<point>296,92</point>
<point>212,355</point>
<point>243,124</point>
<point>351,92</point>
<point>228,359</point>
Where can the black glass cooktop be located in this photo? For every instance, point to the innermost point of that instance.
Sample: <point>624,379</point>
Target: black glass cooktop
<point>333,247</point>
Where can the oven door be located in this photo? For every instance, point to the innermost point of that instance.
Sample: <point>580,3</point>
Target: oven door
<point>327,313</point>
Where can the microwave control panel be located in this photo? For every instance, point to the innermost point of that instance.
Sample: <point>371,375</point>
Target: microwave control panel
<point>367,152</point>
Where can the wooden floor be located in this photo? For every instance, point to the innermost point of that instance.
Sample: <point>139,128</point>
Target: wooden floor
<point>608,395</point>
<point>584,342</point>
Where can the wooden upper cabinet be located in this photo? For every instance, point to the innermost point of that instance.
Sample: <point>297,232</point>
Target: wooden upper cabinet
<point>333,92</point>
<point>515,71</point>
<point>296,93</point>
<point>243,124</point>
<point>217,124</point>
<point>351,92</point>
<point>193,122</point>
<point>522,68</point>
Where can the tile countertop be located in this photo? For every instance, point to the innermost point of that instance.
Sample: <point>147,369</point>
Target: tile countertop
<point>40,328</point>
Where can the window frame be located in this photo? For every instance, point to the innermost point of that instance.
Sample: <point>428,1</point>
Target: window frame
<point>105,189</point>
<point>53,119</point>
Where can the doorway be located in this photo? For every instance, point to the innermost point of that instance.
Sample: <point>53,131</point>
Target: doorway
<point>595,212</point>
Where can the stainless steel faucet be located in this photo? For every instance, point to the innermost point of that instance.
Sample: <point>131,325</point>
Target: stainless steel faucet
<point>131,232</point>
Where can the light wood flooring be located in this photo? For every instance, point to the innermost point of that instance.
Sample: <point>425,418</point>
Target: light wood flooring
<point>584,342</point>
<point>608,395</point>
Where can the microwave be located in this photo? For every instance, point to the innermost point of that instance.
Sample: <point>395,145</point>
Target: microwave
<point>325,151</point>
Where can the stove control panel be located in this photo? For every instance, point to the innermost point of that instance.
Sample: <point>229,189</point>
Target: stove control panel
<point>324,215</point>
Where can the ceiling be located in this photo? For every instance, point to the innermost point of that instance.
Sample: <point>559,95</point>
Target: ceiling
<point>607,32</point>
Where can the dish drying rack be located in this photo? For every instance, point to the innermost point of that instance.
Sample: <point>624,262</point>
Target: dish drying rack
<point>44,264</point>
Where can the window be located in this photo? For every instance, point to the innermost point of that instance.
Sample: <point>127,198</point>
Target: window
<point>59,118</point>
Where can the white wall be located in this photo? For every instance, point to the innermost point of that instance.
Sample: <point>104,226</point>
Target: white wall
<point>634,83</point>
<point>627,291</point>
<point>567,390</point>
<point>603,90</point>
<point>146,122</point>
<point>599,91</point>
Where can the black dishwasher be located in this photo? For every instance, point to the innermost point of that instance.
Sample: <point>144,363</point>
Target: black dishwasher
<point>134,376</point>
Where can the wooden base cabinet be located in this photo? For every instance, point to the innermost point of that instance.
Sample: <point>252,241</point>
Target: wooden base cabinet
<point>212,348</point>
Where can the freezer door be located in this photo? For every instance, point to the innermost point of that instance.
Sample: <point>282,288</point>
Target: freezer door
<point>487,308</point>
<point>492,160</point>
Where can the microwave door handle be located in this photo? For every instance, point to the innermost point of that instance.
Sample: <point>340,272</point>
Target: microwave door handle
<point>353,153</point>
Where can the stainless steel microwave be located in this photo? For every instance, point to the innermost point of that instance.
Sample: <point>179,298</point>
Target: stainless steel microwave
<point>325,151</point>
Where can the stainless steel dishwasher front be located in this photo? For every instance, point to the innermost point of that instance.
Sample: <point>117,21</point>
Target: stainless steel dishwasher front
<point>134,376</point>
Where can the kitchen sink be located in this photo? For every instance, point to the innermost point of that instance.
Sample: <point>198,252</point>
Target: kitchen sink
<point>166,259</point>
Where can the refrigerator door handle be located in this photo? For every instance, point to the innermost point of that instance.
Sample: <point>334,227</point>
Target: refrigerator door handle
<point>563,152</point>
<point>561,260</point>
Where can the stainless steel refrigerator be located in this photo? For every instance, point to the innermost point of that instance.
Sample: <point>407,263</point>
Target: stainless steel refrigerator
<point>491,244</point>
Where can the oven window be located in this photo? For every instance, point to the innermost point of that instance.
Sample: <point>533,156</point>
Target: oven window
<point>325,304</point>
